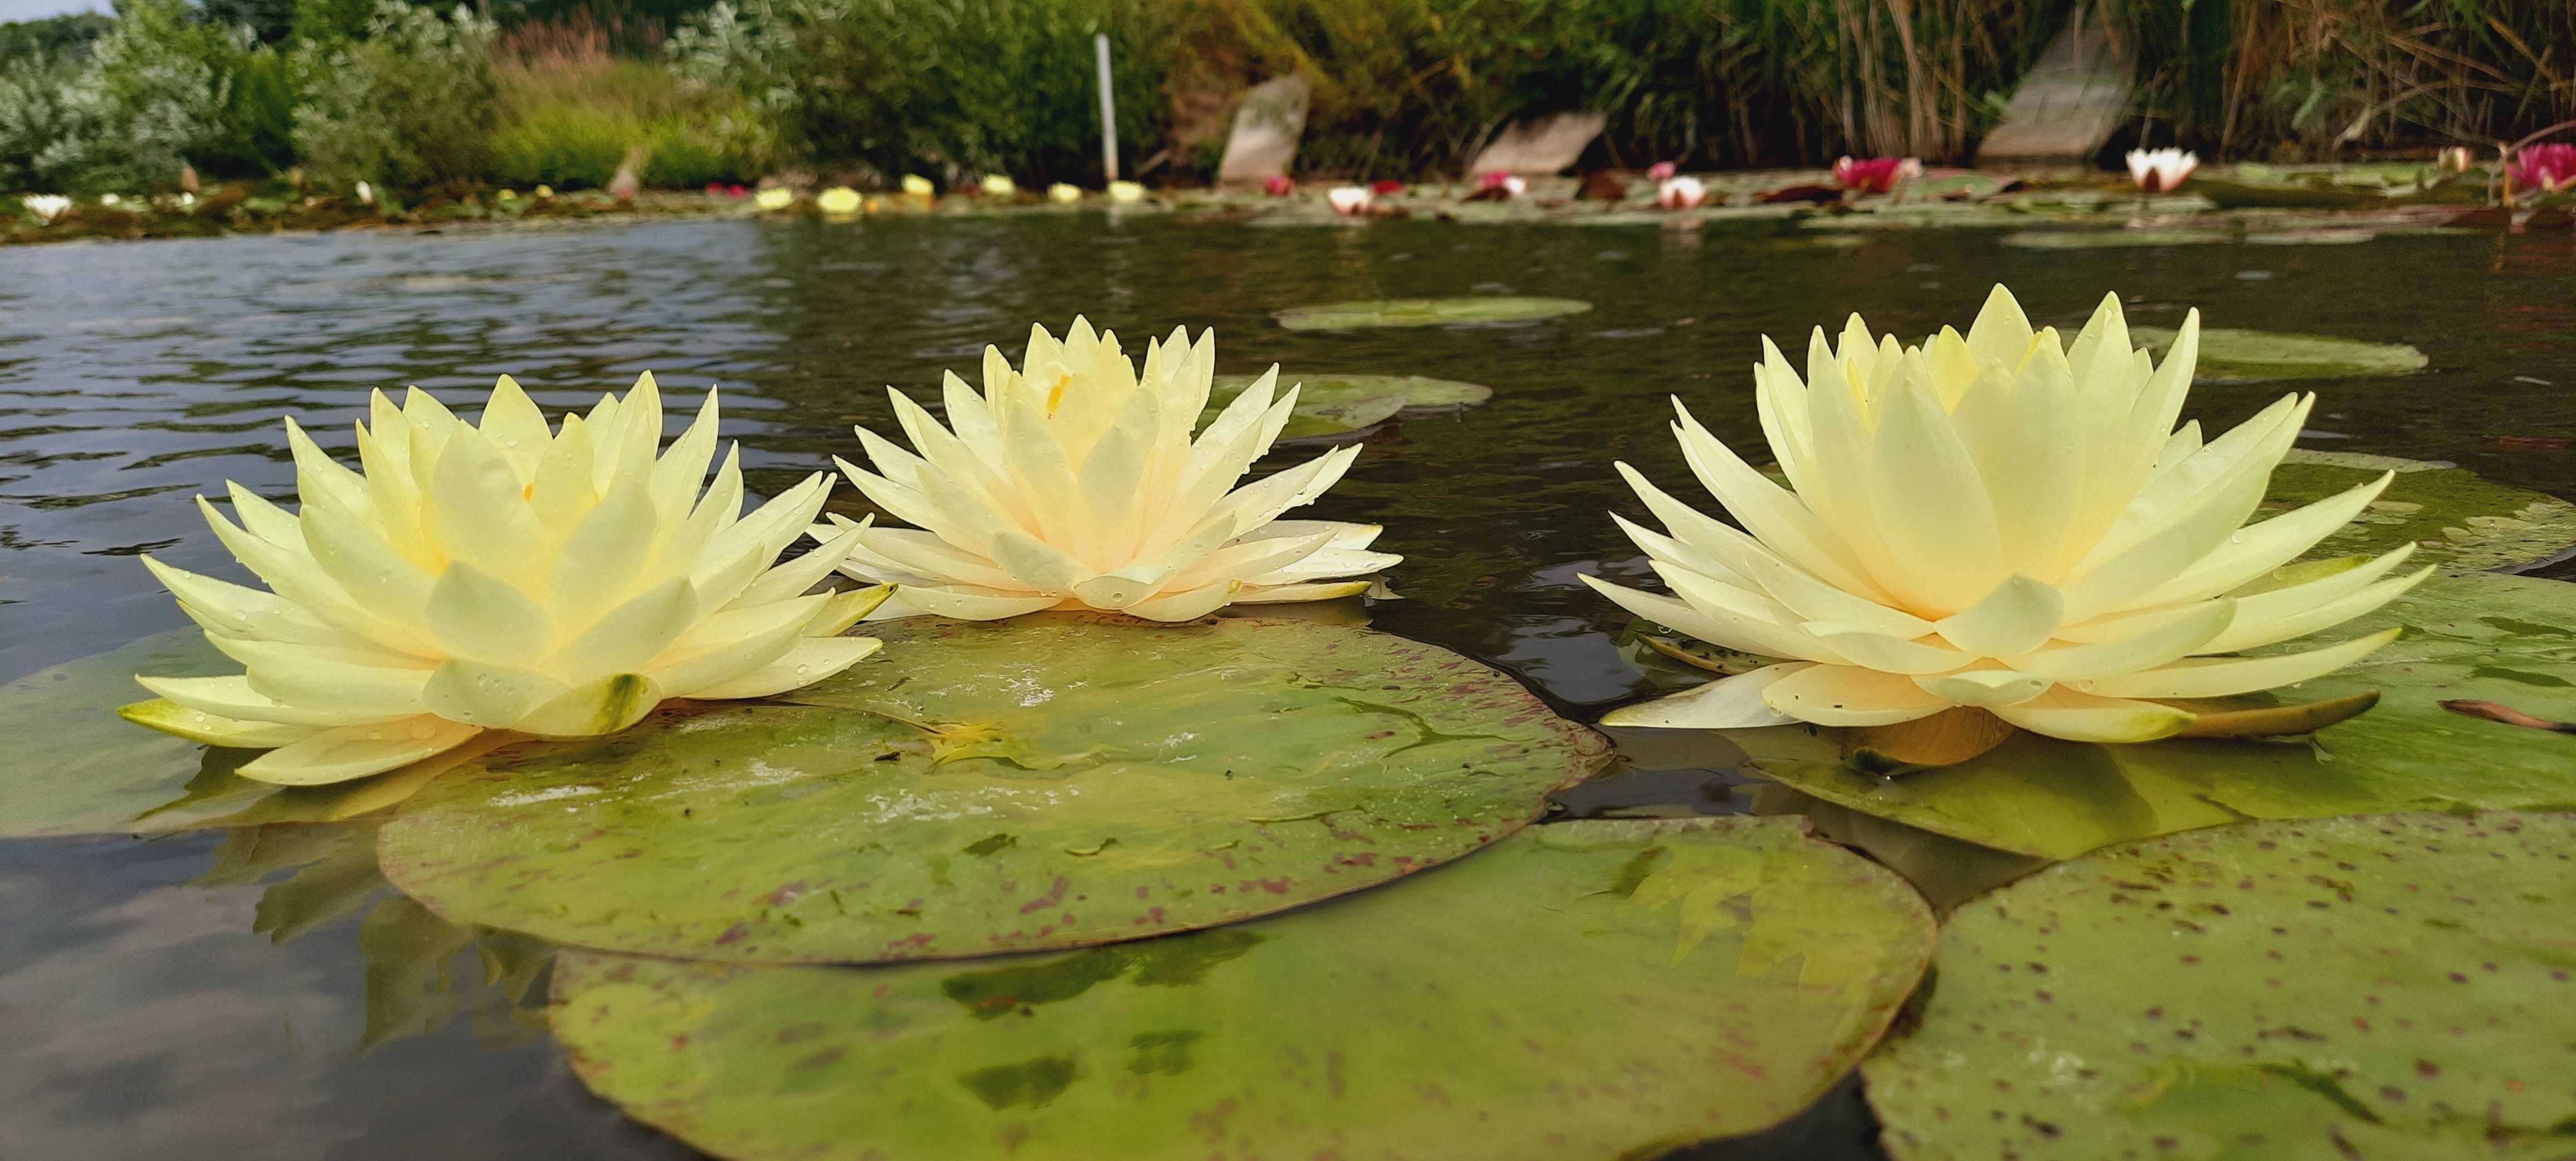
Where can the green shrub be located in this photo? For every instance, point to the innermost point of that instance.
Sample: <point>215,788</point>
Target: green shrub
<point>689,154</point>
<point>563,145</point>
<point>151,96</point>
<point>411,105</point>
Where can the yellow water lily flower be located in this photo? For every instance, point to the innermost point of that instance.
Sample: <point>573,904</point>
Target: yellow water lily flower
<point>1073,482</point>
<point>839,199</point>
<point>1064,192</point>
<point>999,186</point>
<point>1126,191</point>
<point>775,198</point>
<point>499,576</point>
<point>917,185</point>
<point>2000,523</point>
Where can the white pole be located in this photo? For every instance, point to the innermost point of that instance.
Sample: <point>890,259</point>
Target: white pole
<point>1108,112</point>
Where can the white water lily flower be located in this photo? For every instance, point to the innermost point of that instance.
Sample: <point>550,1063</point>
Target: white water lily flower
<point>1680,193</point>
<point>46,206</point>
<point>1073,482</point>
<point>2160,170</point>
<point>499,576</point>
<point>1351,200</point>
<point>1064,192</point>
<point>1996,522</point>
<point>1126,191</point>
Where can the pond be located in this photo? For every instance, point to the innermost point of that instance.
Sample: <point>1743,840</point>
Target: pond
<point>161,1005</point>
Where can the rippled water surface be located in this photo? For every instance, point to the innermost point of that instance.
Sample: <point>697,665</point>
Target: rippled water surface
<point>145,1013</point>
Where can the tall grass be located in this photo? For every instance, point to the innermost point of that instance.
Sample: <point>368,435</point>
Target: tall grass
<point>573,111</point>
<point>2310,77</point>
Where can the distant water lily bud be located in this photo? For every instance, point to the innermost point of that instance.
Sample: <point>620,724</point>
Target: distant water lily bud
<point>367,194</point>
<point>839,199</point>
<point>917,186</point>
<point>1125,191</point>
<point>499,575</point>
<point>110,199</point>
<point>775,198</point>
<point>999,186</point>
<point>545,191</point>
<point>1073,482</point>
<point>1661,171</point>
<point>46,206</point>
<point>1064,192</point>
<point>2454,159</point>
<point>2000,524</point>
<point>1875,175</point>
<point>1350,200</point>
<point>1680,193</point>
<point>1278,185</point>
<point>2545,168</point>
<point>2161,170</point>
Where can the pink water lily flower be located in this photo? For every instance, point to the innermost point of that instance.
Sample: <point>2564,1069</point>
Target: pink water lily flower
<point>1661,171</point>
<point>1680,193</point>
<point>1875,174</point>
<point>2160,170</point>
<point>1278,185</point>
<point>1511,185</point>
<point>2546,168</point>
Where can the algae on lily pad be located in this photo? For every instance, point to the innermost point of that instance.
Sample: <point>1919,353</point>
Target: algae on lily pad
<point>1055,780</point>
<point>2485,636</point>
<point>1426,312</point>
<point>2238,356</point>
<point>2389,986</point>
<point>1736,969</point>
<point>2457,518</point>
<point>1334,405</point>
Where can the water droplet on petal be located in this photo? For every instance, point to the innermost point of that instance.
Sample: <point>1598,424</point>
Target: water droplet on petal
<point>375,735</point>
<point>803,668</point>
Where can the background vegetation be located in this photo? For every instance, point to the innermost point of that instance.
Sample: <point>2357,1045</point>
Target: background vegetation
<point>683,93</point>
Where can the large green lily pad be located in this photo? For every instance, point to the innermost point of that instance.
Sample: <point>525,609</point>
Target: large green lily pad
<point>2239,356</point>
<point>2394,986</point>
<point>1425,312</point>
<point>2456,517</point>
<point>1585,990</point>
<point>71,766</point>
<point>1051,781</point>
<point>1336,405</point>
<point>2486,636</point>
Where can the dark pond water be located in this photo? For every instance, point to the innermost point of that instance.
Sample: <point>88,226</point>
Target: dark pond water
<point>148,1015</point>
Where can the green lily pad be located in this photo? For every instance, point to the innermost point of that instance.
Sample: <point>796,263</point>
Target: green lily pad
<point>1426,312</point>
<point>2391,986</point>
<point>2234,356</point>
<point>1740,967</point>
<point>1333,405</point>
<point>2285,195</point>
<point>2115,240</point>
<point>1052,781</point>
<point>2478,635</point>
<point>73,767</point>
<point>2457,518</point>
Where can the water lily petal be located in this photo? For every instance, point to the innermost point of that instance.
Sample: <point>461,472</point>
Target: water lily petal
<point>356,751</point>
<point>2221,676</point>
<point>1728,703</point>
<point>1847,695</point>
<point>2082,717</point>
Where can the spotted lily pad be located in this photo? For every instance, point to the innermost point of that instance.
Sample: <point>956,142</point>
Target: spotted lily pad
<point>2479,635</point>
<point>1426,312</point>
<point>1742,966</point>
<point>2456,517</point>
<point>2235,356</point>
<point>1333,405</point>
<point>72,766</point>
<point>1051,781</point>
<point>2387,986</point>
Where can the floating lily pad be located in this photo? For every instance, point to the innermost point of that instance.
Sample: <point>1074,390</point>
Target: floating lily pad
<point>2114,239</point>
<point>2457,518</point>
<point>2234,356</point>
<point>2477,635</point>
<point>1052,781</point>
<point>73,767</point>
<point>1426,312</point>
<point>2286,195</point>
<point>1331,405</point>
<point>1741,967</point>
<point>2391,986</point>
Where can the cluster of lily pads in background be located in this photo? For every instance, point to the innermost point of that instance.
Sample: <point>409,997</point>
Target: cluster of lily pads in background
<point>768,920</point>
